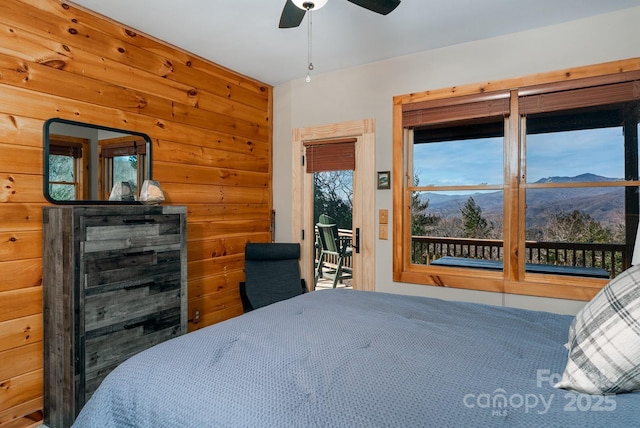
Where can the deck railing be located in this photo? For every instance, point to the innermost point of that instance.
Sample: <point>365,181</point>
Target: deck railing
<point>424,249</point>
<point>610,257</point>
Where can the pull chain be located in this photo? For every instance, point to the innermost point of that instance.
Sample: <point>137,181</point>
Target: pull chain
<point>309,52</point>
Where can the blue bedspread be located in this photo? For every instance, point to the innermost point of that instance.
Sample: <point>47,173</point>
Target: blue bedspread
<point>343,358</point>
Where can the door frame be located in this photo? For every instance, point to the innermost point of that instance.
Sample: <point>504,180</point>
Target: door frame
<point>364,190</point>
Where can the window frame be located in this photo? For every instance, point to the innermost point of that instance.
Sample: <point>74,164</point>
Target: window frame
<point>80,164</point>
<point>513,279</point>
<point>119,146</point>
<point>497,186</point>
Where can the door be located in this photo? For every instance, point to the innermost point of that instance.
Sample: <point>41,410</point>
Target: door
<point>333,204</point>
<point>364,182</point>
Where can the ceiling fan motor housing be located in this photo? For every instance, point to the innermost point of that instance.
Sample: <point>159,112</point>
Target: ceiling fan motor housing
<point>294,10</point>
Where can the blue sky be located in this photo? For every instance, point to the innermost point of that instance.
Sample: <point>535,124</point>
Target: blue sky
<point>571,153</point>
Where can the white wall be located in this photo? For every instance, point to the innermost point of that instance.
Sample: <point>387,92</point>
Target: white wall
<point>367,91</point>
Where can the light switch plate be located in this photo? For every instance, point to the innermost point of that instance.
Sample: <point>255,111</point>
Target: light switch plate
<point>383,231</point>
<point>383,216</point>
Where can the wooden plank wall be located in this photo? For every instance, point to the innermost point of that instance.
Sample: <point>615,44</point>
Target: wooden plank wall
<point>211,132</point>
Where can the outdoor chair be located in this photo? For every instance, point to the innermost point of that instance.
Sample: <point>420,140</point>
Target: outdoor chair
<point>331,248</point>
<point>272,274</point>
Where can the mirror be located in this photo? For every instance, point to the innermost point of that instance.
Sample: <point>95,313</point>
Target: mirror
<point>85,163</point>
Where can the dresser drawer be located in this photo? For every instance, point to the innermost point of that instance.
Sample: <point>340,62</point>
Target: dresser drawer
<point>105,227</point>
<point>107,347</point>
<point>130,233</point>
<point>118,268</point>
<point>104,307</point>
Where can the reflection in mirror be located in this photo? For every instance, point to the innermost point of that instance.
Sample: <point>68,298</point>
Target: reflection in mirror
<point>83,162</point>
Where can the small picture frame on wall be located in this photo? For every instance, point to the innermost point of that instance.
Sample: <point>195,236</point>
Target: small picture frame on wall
<point>384,180</point>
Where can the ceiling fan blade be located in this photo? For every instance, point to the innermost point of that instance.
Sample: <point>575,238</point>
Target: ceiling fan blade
<point>383,7</point>
<point>291,16</point>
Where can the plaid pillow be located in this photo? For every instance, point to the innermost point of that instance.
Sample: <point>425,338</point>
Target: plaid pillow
<point>604,340</point>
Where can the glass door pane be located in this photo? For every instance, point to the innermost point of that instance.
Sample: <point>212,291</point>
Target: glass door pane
<point>333,200</point>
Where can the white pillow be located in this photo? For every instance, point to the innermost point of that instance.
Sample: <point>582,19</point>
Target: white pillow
<point>604,340</point>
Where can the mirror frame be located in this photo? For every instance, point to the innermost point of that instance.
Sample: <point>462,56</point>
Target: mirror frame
<point>45,177</point>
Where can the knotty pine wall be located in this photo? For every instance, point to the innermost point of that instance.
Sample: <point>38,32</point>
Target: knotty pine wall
<point>212,145</point>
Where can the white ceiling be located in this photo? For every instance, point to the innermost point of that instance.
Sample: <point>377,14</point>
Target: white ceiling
<point>243,35</point>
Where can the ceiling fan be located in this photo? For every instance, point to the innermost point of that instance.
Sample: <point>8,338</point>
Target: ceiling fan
<point>294,10</point>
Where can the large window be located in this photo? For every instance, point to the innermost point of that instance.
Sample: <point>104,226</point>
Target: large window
<point>532,190</point>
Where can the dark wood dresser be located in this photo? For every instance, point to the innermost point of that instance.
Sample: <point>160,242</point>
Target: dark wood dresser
<point>114,284</point>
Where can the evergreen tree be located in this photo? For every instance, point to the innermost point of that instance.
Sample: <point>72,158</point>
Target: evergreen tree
<point>422,222</point>
<point>475,226</point>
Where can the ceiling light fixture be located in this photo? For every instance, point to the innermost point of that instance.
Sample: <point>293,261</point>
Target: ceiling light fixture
<point>306,5</point>
<point>309,6</point>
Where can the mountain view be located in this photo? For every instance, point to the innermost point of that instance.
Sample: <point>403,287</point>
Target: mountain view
<point>602,204</point>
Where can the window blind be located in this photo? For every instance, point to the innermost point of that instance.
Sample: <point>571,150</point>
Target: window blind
<point>582,97</point>
<point>66,149</point>
<point>127,148</point>
<point>455,109</point>
<point>330,155</point>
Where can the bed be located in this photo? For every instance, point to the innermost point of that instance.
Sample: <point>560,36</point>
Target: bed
<point>344,358</point>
